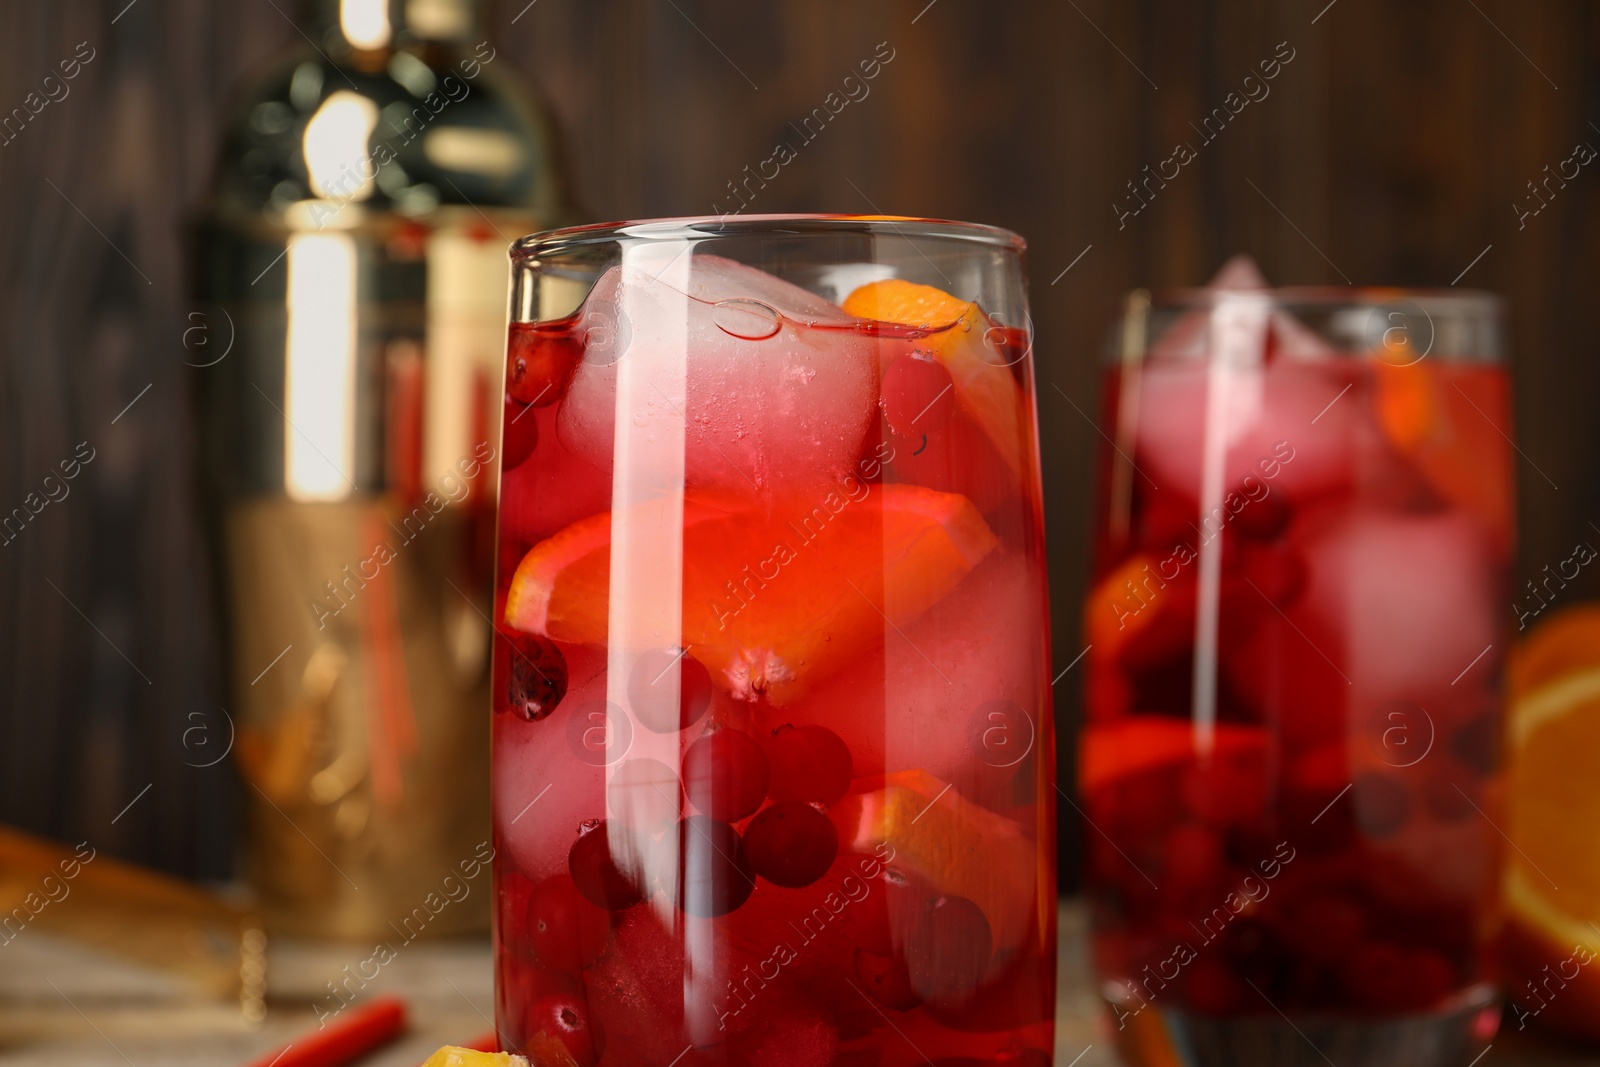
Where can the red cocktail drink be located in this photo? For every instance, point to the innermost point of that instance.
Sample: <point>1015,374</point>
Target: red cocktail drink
<point>1291,757</point>
<point>773,770</point>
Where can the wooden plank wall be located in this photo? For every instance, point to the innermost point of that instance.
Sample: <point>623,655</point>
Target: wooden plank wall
<point>1391,150</point>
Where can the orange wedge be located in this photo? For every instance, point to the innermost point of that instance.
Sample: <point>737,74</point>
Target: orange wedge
<point>1553,812</point>
<point>957,846</point>
<point>772,600</point>
<point>1447,421</point>
<point>985,389</point>
<point>1114,750</point>
<point>1113,612</point>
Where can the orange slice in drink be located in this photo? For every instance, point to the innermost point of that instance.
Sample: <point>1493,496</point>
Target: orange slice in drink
<point>985,388</point>
<point>1553,816</point>
<point>959,847</point>
<point>772,600</point>
<point>1447,421</point>
<point>1108,752</point>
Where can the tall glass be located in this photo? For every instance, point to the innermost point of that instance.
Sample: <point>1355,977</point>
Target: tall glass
<point>1291,757</point>
<point>772,742</point>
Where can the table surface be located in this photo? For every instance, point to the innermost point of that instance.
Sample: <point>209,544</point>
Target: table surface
<point>62,1004</point>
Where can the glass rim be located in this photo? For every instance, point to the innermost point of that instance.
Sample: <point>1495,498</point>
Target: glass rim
<point>1480,300</point>
<point>711,227</point>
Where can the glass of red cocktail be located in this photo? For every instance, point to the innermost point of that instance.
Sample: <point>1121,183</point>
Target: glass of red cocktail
<point>1291,756</point>
<point>772,752</point>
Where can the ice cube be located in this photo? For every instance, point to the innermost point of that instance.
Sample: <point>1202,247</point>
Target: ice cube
<point>779,391</point>
<point>542,790</point>
<point>1300,427</point>
<point>1413,596</point>
<point>1189,335</point>
<point>957,695</point>
<point>1396,606</point>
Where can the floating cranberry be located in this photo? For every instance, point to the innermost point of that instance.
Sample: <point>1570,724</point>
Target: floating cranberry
<point>949,951</point>
<point>886,980</point>
<point>714,876</point>
<point>565,931</point>
<point>1382,804</point>
<point>540,359</point>
<point>537,678</point>
<point>791,844</point>
<point>918,395</point>
<point>725,773</point>
<point>564,1018</point>
<point>597,874</point>
<point>652,700</point>
<point>808,763</point>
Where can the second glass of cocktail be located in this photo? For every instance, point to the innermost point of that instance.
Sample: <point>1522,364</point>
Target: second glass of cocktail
<point>1291,756</point>
<point>773,755</point>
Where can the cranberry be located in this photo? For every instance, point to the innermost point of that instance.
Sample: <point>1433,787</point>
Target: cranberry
<point>949,951</point>
<point>714,876</point>
<point>1477,743</point>
<point>886,980</point>
<point>1192,858</point>
<point>540,359</point>
<point>597,874</point>
<point>1263,519</point>
<point>565,931</point>
<point>791,844</point>
<point>1376,975</point>
<point>562,1018</point>
<point>725,773</point>
<point>537,678</point>
<point>1382,803</point>
<point>918,395</point>
<point>651,699</point>
<point>809,763</point>
<point>1211,988</point>
<point>1432,977</point>
<point>519,434</point>
<point>1323,928</point>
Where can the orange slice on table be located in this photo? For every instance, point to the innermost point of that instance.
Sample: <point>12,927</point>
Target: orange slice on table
<point>772,599</point>
<point>1553,812</point>
<point>985,389</point>
<point>454,1056</point>
<point>958,846</point>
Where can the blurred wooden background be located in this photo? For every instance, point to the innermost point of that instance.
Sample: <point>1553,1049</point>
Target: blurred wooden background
<point>1391,149</point>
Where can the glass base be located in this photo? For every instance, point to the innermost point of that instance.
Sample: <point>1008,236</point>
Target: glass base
<point>1450,1037</point>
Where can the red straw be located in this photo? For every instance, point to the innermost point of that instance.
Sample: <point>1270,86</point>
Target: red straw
<point>352,1035</point>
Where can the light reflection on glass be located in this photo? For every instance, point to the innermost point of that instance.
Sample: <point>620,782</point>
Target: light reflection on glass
<point>365,23</point>
<point>319,442</point>
<point>336,146</point>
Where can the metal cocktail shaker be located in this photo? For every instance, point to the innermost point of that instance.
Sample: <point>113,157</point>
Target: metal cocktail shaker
<point>353,276</point>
